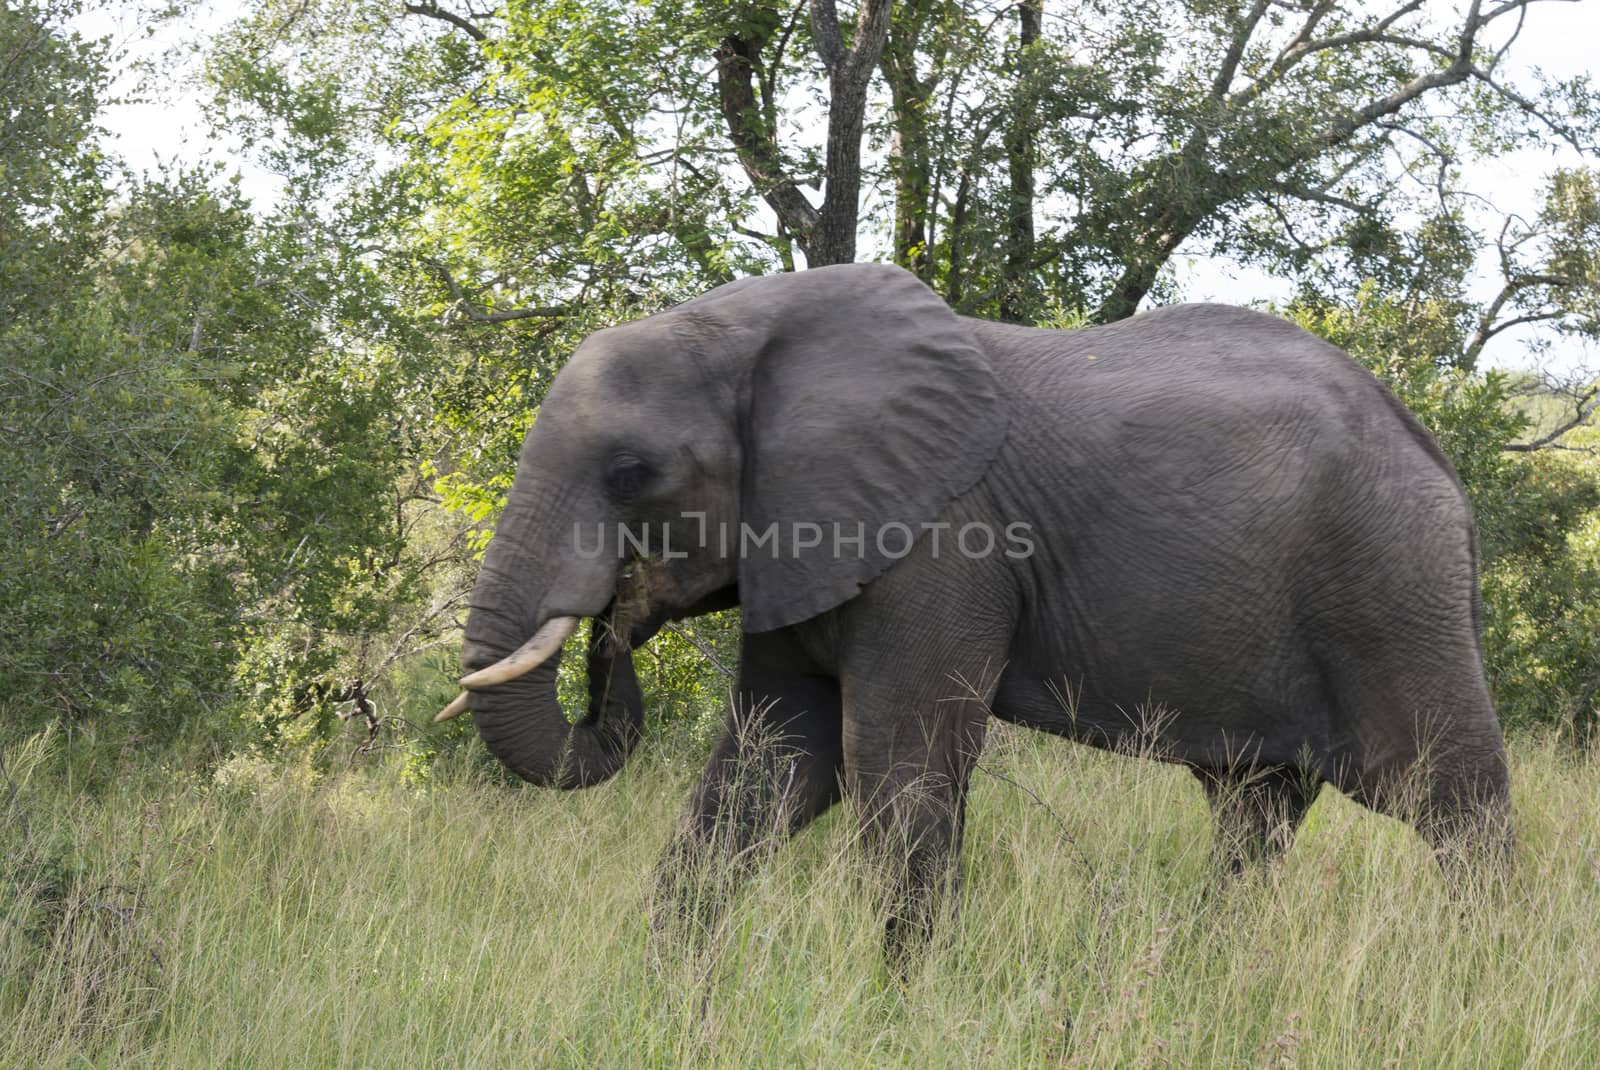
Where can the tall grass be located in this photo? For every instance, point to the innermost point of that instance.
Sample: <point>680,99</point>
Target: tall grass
<point>265,918</point>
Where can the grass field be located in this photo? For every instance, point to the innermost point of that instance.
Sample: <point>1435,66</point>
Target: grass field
<point>265,918</point>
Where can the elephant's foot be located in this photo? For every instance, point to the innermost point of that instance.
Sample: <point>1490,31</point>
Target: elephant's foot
<point>1256,813</point>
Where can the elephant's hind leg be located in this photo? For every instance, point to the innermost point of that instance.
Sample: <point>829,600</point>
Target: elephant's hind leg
<point>1256,811</point>
<point>1456,793</point>
<point>1467,820</point>
<point>1430,752</point>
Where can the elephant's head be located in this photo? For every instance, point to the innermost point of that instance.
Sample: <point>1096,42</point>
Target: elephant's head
<point>840,396</point>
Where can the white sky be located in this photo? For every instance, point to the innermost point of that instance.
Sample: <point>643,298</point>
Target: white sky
<point>1562,39</point>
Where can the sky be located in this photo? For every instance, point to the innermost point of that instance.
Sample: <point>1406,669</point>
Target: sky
<point>1562,39</point>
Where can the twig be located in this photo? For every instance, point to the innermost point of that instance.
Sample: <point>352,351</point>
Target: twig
<point>434,11</point>
<point>695,642</point>
<point>1066,833</point>
<point>464,305</point>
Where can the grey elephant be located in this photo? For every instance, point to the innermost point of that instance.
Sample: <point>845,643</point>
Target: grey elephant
<point>1217,535</point>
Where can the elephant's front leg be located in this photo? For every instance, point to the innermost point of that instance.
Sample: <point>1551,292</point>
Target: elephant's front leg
<point>776,767</point>
<point>912,737</point>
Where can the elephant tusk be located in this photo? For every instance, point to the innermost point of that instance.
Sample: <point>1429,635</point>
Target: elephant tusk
<point>457,707</point>
<point>527,657</point>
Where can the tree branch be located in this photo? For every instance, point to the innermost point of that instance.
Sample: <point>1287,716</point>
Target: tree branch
<point>1488,328</point>
<point>1241,39</point>
<point>1530,109</point>
<point>738,60</point>
<point>826,34</point>
<point>430,9</point>
<point>695,641</point>
<point>1304,45</point>
<point>1303,193</point>
<point>1460,69</point>
<point>1586,403</point>
<point>463,304</point>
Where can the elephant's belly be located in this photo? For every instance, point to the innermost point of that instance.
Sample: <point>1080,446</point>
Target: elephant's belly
<point>1190,710</point>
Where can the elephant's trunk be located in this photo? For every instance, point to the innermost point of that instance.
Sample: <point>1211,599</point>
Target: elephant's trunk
<point>535,585</point>
<point>523,724</point>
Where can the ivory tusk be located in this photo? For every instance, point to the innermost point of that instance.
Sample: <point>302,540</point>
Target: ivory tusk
<point>527,657</point>
<point>457,707</point>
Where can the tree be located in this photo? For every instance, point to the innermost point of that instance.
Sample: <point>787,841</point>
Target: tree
<point>52,179</point>
<point>214,460</point>
<point>517,177</point>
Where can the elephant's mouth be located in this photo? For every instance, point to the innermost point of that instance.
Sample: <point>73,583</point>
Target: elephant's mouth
<point>644,587</point>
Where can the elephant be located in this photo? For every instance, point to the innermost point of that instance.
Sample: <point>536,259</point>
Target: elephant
<point>1206,535</point>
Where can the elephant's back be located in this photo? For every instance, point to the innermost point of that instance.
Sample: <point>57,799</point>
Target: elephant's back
<point>1185,389</point>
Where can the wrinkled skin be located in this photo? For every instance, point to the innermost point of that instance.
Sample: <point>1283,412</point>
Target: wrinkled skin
<point>1247,557</point>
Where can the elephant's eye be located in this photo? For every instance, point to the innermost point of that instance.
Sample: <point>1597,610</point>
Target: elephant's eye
<point>627,475</point>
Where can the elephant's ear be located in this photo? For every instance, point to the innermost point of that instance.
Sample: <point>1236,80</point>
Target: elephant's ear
<point>869,409</point>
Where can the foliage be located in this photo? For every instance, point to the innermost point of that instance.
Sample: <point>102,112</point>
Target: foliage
<point>109,442</point>
<point>52,178</point>
<point>212,433</point>
<point>1542,594</point>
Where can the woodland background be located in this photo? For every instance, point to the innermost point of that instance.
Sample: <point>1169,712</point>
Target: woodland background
<point>251,452</point>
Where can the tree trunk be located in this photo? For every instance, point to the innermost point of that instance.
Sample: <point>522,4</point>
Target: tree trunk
<point>1142,266</point>
<point>833,239</point>
<point>910,155</point>
<point>1017,282</point>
